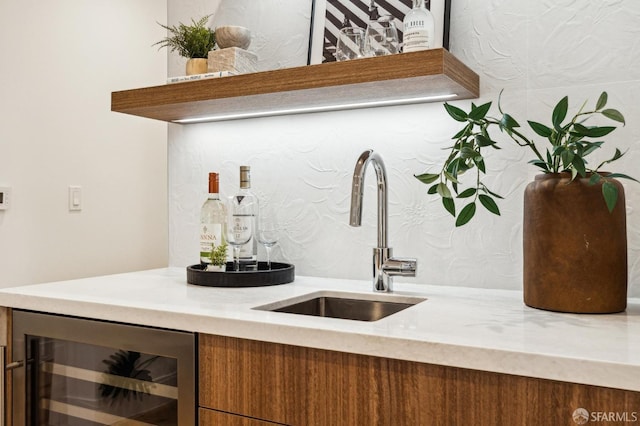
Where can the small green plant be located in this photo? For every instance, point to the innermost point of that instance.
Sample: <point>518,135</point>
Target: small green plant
<point>191,41</point>
<point>569,144</point>
<point>219,254</point>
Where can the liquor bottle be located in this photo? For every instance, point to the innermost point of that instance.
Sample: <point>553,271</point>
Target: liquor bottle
<point>248,210</point>
<point>419,28</point>
<point>374,14</point>
<point>212,220</point>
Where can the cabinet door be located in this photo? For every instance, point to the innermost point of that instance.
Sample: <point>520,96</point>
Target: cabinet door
<point>303,386</point>
<point>78,372</point>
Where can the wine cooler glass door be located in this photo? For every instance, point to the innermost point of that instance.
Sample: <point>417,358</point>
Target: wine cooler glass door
<point>87,373</point>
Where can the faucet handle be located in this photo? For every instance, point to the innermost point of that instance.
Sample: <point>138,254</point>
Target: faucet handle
<point>400,266</point>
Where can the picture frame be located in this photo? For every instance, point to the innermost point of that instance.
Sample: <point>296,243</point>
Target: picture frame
<point>327,17</point>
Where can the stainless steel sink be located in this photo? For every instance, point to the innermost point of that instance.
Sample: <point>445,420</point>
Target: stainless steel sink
<point>351,306</point>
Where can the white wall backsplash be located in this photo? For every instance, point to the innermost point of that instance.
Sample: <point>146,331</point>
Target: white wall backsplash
<point>303,164</point>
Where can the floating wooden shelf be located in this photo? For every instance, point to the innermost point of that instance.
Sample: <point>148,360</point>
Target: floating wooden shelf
<point>426,76</point>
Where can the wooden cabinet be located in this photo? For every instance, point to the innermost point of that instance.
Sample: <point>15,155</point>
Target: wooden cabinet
<point>218,418</point>
<point>427,76</point>
<point>302,386</point>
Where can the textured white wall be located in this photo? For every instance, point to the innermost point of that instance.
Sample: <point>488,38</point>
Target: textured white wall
<point>279,28</point>
<point>61,61</point>
<point>536,51</point>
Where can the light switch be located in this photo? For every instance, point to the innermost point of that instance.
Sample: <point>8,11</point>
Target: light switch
<point>5,197</point>
<point>75,198</point>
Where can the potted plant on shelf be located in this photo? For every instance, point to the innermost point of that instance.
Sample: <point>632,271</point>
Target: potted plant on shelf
<point>574,228</point>
<point>192,42</point>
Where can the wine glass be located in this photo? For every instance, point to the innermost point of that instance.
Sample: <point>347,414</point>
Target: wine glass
<point>381,37</point>
<point>268,232</point>
<point>349,44</point>
<point>238,228</point>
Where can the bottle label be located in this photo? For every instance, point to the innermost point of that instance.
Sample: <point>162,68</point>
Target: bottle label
<point>210,237</point>
<point>244,231</point>
<point>416,39</point>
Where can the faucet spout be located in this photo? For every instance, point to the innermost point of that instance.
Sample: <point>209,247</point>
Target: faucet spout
<point>384,265</point>
<point>357,193</point>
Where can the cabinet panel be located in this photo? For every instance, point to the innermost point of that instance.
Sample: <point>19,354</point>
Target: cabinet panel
<point>303,386</point>
<point>217,418</point>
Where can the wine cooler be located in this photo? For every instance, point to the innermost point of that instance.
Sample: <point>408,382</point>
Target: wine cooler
<point>78,372</point>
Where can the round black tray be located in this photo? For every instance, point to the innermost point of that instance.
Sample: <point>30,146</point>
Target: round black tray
<point>280,273</point>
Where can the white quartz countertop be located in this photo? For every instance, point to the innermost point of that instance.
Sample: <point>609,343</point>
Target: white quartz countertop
<point>480,329</point>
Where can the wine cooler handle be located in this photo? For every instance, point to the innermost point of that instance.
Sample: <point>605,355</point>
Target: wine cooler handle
<point>3,385</point>
<point>13,365</point>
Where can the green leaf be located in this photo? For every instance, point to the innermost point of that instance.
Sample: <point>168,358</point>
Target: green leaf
<point>451,177</point>
<point>483,141</point>
<point>567,158</point>
<point>427,177</point>
<point>549,159</point>
<point>579,166</point>
<point>467,152</point>
<point>540,129</point>
<point>455,112</point>
<point>622,176</point>
<point>467,193</point>
<point>466,214</point>
<point>580,129</point>
<point>593,132</point>
<point>452,166</point>
<point>558,150</point>
<point>610,194</point>
<point>560,112</point>
<point>433,189</point>
<point>539,163</point>
<point>462,167</point>
<point>449,205</point>
<point>617,155</point>
<point>614,114</point>
<point>485,189</point>
<point>479,162</point>
<point>489,204</point>
<point>443,191</point>
<point>590,147</point>
<point>602,101</point>
<point>595,178</point>
<point>478,113</point>
<point>574,174</point>
<point>508,122</point>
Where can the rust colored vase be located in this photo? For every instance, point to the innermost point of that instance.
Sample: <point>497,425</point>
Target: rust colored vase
<point>575,251</point>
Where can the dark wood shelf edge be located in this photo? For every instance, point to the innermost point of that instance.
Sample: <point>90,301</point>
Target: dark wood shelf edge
<point>418,74</point>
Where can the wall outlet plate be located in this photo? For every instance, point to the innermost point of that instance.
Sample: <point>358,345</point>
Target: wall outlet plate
<point>5,197</point>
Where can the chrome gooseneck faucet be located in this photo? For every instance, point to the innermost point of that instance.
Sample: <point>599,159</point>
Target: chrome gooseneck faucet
<point>384,265</point>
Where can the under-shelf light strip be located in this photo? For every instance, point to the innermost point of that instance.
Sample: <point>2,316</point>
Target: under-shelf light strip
<point>302,110</point>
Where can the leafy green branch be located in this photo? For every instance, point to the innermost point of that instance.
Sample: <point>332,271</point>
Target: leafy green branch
<point>568,146</point>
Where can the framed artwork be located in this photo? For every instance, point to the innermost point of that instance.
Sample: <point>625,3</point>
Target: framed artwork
<point>328,16</point>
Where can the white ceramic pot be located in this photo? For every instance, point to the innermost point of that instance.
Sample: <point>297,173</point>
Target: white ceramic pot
<point>233,36</point>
